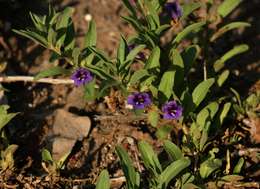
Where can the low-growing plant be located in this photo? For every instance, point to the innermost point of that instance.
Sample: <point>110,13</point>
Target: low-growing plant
<point>177,81</point>
<point>6,150</point>
<point>159,175</point>
<point>51,166</point>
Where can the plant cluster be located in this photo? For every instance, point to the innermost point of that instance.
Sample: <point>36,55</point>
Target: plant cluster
<point>177,81</point>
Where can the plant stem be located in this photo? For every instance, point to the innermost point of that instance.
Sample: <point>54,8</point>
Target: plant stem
<point>205,70</point>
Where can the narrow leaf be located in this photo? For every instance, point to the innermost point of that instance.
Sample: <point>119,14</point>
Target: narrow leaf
<point>219,64</point>
<point>173,150</point>
<point>52,72</point>
<point>153,117</point>
<point>173,170</point>
<point>166,83</point>
<point>200,92</point>
<point>91,35</point>
<point>189,56</point>
<point>121,51</point>
<point>138,75</point>
<point>228,27</point>
<point>163,132</point>
<point>239,165</point>
<point>90,91</point>
<point>227,7</point>
<point>46,156</point>
<point>188,8</point>
<point>149,158</point>
<point>154,59</point>
<point>5,116</point>
<point>224,112</point>
<point>223,77</point>
<point>193,28</point>
<point>132,177</point>
<point>103,181</point>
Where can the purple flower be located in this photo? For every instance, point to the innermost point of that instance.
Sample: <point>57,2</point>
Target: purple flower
<point>139,100</point>
<point>174,10</point>
<point>81,76</point>
<point>140,55</point>
<point>171,110</point>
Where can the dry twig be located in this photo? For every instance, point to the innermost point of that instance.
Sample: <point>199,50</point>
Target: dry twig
<point>10,79</point>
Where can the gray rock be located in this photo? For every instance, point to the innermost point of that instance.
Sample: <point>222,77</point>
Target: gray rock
<point>66,130</point>
<point>75,97</point>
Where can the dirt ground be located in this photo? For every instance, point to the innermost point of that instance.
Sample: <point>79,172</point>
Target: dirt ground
<point>37,103</point>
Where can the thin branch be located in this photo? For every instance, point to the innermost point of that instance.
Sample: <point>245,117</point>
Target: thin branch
<point>205,71</point>
<point>10,79</point>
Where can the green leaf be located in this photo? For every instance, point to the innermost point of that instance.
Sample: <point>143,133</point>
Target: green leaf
<point>178,66</point>
<point>52,72</point>
<point>190,186</point>
<point>151,22</point>
<point>76,55</point>
<point>232,178</point>
<point>5,116</point>
<point>228,27</point>
<point>61,161</point>
<point>138,75</point>
<point>121,51</point>
<point>239,165</point>
<point>222,77</point>
<point>227,7</point>
<point>154,59</point>
<point>36,37</point>
<point>150,159</point>
<point>38,23</point>
<point>237,96</point>
<point>162,28</point>
<point>100,72</point>
<point>203,139</point>
<point>189,56</point>
<point>201,90</point>
<point>219,64</point>
<point>173,170</point>
<point>209,166</point>
<point>167,83</point>
<point>89,91</point>
<point>62,25</point>
<point>253,100</point>
<point>134,22</point>
<point>186,179</point>
<point>193,28</point>
<point>46,156</point>
<point>188,8</point>
<point>152,15</point>
<point>91,35</point>
<point>100,54</point>
<point>132,177</point>
<point>173,150</point>
<point>103,181</point>
<point>153,117</point>
<point>7,157</point>
<point>163,131</point>
<point>130,8</point>
<point>69,41</point>
<point>207,113</point>
<point>224,112</point>
<point>133,53</point>
<point>64,18</point>
<point>105,86</point>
